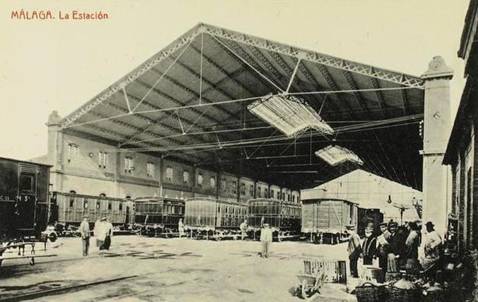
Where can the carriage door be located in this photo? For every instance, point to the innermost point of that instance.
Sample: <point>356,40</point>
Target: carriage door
<point>27,192</point>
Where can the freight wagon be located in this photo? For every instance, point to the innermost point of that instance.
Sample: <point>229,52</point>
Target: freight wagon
<point>282,216</point>
<point>324,220</point>
<point>72,207</point>
<point>211,218</point>
<point>158,216</point>
<point>23,206</point>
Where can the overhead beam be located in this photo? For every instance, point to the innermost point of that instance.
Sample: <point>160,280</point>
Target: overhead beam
<point>362,103</point>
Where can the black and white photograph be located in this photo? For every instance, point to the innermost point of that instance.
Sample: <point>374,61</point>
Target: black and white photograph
<point>268,150</point>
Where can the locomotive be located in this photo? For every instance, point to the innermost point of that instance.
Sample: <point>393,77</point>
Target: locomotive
<point>158,216</point>
<point>213,218</point>
<point>282,216</point>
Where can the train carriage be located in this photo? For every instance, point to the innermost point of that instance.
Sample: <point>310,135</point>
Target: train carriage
<point>211,218</point>
<point>24,205</point>
<point>72,207</point>
<point>158,216</point>
<point>283,217</point>
<point>324,220</point>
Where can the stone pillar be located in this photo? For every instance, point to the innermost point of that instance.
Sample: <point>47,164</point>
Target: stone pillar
<point>55,150</point>
<point>435,137</point>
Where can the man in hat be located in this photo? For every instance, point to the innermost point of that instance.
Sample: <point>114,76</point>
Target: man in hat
<point>266,240</point>
<point>85,235</point>
<point>369,245</point>
<point>354,249</point>
<point>383,247</point>
<point>109,233</point>
<point>432,246</point>
<point>395,247</point>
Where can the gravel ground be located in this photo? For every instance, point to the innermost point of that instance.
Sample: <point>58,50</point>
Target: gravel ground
<point>169,270</point>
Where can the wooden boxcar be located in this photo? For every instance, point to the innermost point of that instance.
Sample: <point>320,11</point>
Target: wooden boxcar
<point>23,199</point>
<point>158,216</point>
<point>324,220</point>
<point>368,215</point>
<point>282,216</point>
<point>72,207</point>
<point>213,218</point>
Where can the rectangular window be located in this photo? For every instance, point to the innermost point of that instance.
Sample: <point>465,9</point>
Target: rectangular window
<point>102,159</point>
<point>73,151</point>
<point>251,190</point>
<point>109,205</point>
<point>243,188</point>
<point>150,169</point>
<point>128,165</point>
<point>272,193</point>
<point>27,183</point>
<point>186,177</point>
<point>169,174</point>
<point>259,193</point>
<point>223,184</point>
<point>120,206</point>
<point>234,187</point>
<point>212,182</point>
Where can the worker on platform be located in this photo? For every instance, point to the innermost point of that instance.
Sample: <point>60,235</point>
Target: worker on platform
<point>432,247</point>
<point>369,245</point>
<point>354,249</point>
<point>181,227</point>
<point>109,234</point>
<point>85,235</point>
<point>266,240</point>
<point>411,246</point>
<point>395,248</point>
<point>100,233</point>
<point>383,248</point>
<point>243,228</point>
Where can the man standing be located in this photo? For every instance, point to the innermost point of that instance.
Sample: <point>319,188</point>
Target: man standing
<point>100,234</point>
<point>383,248</point>
<point>395,248</point>
<point>243,228</point>
<point>266,240</point>
<point>354,249</point>
<point>85,235</point>
<point>181,227</point>
<point>432,246</point>
<point>369,245</point>
<point>109,234</point>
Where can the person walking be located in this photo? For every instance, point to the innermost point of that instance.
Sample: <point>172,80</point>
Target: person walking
<point>85,235</point>
<point>181,227</point>
<point>354,250</point>
<point>266,240</point>
<point>109,234</point>
<point>243,228</point>
<point>369,246</point>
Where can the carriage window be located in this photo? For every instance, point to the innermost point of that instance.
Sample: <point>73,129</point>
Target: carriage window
<point>27,182</point>
<point>97,204</point>
<point>109,205</point>
<point>85,204</point>
<point>186,177</point>
<point>72,202</point>
<point>169,174</point>
<point>120,206</point>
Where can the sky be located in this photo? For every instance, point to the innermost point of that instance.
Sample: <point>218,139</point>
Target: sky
<point>48,65</point>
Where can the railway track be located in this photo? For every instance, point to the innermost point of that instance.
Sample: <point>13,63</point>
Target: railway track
<point>61,289</point>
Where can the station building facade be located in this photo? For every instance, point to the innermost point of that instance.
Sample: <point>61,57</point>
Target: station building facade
<point>462,149</point>
<point>90,166</point>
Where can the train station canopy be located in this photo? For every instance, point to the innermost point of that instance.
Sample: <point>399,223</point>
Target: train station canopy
<point>190,102</point>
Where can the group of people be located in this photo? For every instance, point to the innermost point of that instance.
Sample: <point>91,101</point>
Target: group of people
<point>396,247</point>
<point>103,231</point>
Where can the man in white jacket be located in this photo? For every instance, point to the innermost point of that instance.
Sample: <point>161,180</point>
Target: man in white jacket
<point>266,240</point>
